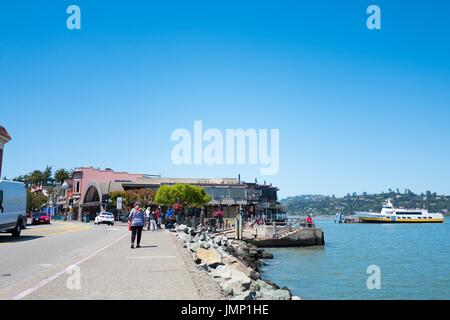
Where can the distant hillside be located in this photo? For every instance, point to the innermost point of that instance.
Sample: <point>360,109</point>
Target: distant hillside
<point>330,205</point>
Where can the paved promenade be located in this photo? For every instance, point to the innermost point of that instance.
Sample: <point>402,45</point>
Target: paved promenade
<point>105,268</point>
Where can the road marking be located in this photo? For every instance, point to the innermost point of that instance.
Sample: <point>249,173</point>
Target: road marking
<point>59,274</point>
<point>57,230</point>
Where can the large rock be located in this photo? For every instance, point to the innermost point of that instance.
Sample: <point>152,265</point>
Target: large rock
<point>209,257</point>
<point>266,255</point>
<point>245,296</point>
<point>275,295</point>
<point>221,272</point>
<point>194,247</point>
<point>183,229</point>
<point>254,254</point>
<point>241,252</point>
<point>230,249</point>
<point>263,285</point>
<point>233,280</point>
<point>228,272</point>
<point>235,263</point>
<point>282,295</point>
<point>218,239</point>
<point>200,237</point>
<point>185,237</point>
<point>205,245</point>
<point>236,286</point>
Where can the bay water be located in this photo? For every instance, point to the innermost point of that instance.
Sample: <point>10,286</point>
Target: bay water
<point>413,260</point>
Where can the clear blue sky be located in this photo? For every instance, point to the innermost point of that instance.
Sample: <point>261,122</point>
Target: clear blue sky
<point>357,110</point>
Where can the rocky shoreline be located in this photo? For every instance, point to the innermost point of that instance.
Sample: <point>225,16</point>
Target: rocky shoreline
<point>235,264</point>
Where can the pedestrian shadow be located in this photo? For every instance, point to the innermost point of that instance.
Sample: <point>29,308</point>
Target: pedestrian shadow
<point>8,239</point>
<point>148,247</point>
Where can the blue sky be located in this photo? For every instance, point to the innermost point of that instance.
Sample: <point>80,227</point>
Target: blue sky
<point>357,110</point>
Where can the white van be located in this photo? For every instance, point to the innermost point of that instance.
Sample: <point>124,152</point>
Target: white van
<point>13,204</point>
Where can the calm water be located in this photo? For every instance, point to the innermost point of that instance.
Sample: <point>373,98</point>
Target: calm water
<point>414,261</point>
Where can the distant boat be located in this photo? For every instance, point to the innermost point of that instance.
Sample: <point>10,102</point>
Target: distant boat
<point>341,218</point>
<point>389,214</point>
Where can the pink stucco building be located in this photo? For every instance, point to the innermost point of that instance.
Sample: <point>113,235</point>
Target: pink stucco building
<point>89,184</point>
<point>84,192</point>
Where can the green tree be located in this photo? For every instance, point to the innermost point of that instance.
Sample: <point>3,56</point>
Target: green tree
<point>61,175</point>
<point>36,178</point>
<point>24,179</point>
<point>144,196</point>
<point>48,176</point>
<point>118,194</point>
<point>35,201</point>
<point>184,194</point>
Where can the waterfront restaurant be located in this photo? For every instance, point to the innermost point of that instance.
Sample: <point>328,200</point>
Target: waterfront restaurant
<point>84,192</point>
<point>4,139</point>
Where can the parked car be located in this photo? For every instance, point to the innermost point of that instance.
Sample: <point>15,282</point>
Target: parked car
<point>13,204</point>
<point>105,218</point>
<point>41,218</point>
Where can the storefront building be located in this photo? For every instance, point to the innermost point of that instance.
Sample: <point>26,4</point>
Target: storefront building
<point>85,192</point>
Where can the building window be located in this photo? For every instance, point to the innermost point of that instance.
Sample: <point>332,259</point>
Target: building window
<point>221,192</point>
<point>77,187</point>
<point>238,194</point>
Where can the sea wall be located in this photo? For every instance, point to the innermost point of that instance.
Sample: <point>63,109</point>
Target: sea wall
<point>235,264</point>
<point>304,237</point>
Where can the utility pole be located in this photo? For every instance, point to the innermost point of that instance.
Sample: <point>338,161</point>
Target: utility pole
<point>239,224</point>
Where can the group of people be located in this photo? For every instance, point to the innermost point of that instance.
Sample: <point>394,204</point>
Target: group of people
<point>154,219</point>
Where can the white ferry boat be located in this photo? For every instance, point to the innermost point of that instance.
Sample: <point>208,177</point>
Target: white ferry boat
<point>389,214</point>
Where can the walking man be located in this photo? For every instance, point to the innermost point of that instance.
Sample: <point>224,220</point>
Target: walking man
<point>158,218</point>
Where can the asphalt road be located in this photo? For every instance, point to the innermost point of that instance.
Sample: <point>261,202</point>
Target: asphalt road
<point>84,261</point>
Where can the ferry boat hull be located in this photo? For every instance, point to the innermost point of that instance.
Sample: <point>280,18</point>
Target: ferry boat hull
<point>389,214</point>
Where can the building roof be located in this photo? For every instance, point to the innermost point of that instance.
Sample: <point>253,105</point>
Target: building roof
<point>200,181</point>
<point>4,133</point>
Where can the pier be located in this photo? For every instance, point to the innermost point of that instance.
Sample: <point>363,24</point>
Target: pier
<point>293,232</point>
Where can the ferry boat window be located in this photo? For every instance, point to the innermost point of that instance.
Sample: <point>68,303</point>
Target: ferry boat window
<point>409,213</point>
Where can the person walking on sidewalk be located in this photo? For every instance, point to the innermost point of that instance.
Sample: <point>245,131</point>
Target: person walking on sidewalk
<point>137,223</point>
<point>153,225</point>
<point>158,218</point>
<point>147,218</point>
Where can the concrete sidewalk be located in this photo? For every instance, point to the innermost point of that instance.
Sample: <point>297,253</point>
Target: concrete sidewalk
<point>157,271</point>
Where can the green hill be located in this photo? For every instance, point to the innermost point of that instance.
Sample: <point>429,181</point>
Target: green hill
<point>330,205</point>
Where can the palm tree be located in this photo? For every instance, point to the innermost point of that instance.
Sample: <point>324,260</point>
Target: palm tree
<point>37,178</point>
<point>61,175</point>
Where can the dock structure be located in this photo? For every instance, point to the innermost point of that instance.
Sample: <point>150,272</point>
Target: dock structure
<point>281,235</point>
<point>284,237</point>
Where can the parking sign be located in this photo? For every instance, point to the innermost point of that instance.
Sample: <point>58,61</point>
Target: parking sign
<point>119,203</point>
